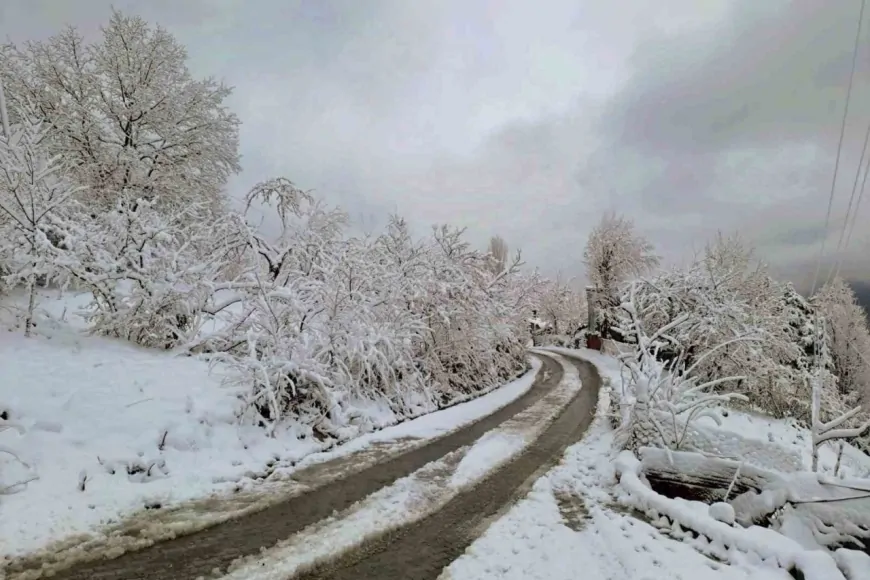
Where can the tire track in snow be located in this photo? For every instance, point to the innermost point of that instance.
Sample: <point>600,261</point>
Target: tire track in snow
<point>422,549</point>
<point>412,498</point>
<point>200,554</point>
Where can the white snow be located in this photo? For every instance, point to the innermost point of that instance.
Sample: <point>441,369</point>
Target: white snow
<point>571,525</point>
<point>566,527</point>
<point>766,544</point>
<point>788,434</point>
<point>111,429</point>
<point>494,448</point>
<point>855,564</point>
<point>411,498</point>
<point>722,512</point>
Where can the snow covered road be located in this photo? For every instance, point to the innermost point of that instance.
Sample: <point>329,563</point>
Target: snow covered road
<point>201,553</point>
<point>424,548</point>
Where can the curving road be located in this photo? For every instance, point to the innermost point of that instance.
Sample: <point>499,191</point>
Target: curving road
<point>422,550</point>
<point>403,554</point>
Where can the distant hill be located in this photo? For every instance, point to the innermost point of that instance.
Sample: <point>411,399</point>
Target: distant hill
<point>862,291</point>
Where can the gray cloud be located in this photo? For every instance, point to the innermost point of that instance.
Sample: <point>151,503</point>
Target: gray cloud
<point>746,121</point>
<point>531,120</point>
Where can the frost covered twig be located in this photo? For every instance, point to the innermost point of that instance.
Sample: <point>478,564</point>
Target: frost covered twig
<point>822,432</point>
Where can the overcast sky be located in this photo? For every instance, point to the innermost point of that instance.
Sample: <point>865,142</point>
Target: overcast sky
<point>530,119</point>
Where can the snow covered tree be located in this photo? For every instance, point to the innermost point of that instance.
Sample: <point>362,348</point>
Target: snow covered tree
<point>34,204</point>
<point>561,305</point>
<point>498,250</point>
<point>848,339</point>
<point>274,314</point>
<point>127,114</point>
<point>841,382</point>
<point>660,401</point>
<point>614,253</point>
<point>150,275</point>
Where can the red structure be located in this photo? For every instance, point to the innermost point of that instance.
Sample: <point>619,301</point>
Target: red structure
<point>593,342</point>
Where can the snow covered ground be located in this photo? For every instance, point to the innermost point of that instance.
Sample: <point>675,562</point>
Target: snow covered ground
<point>113,432</point>
<point>410,498</point>
<point>573,523</point>
<point>797,439</point>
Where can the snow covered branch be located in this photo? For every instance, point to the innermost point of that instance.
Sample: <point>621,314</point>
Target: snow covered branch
<point>34,197</point>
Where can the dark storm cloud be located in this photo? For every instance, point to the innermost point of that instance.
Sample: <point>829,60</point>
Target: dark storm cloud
<point>773,72</point>
<point>744,120</point>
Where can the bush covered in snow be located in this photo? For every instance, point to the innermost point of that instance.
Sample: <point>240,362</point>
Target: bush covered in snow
<point>659,401</point>
<point>317,322</point>
<point>725,294</point>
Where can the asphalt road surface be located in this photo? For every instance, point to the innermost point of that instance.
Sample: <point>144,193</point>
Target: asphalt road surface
<point>422,550</point>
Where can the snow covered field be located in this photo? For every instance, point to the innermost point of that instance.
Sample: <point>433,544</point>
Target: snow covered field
<point>110,430</point>
<point>575,522</point>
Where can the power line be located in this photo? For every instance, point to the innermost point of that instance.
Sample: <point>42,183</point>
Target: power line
<point>840,143</point>
<point>855,212</point>
<point>857,206</point>
<point>841,249</point>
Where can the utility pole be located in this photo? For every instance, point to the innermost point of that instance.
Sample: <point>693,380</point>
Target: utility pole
<point>4,115</point>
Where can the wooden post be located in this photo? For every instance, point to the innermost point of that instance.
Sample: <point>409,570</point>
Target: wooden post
<point>592,309</point>
<point>593,339</point>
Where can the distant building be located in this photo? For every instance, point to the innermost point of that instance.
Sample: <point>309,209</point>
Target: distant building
<point>537,327</point>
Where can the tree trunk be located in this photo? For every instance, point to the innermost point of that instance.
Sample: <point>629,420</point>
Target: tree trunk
<point>696,477</point>
<point>692,476</point>
<point>31,306</point>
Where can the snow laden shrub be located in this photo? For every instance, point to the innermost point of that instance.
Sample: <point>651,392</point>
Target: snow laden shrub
<point>149,274</point>
<point>304,325</point>
<point>35,207</point>
<point>659,401</point>
<point>338,334</point>
<point>725,295</point>
<point>470,339</point>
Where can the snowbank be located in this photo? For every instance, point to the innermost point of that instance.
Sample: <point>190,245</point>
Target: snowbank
<point>792,436</point>
<point>767,545</point>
